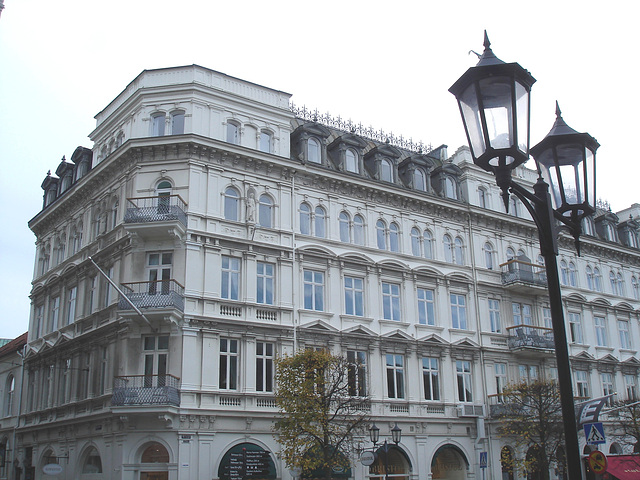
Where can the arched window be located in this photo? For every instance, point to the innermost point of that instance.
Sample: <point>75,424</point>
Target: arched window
<point>614,283</point>
<point>590,279</point>
<point>381,238</point>
<point>265,211</point>
<point>615,449</point>
<point>540,260</point>
<point>231,204</point>
<point>320,221</point>
<point>513,206</point>
<point>488,255</point>
<point>458,251</point>
<point>394,237</point>
<point>163,192</point>
<point>92,462</point>
<point>157,124</point>
<point>266,141</point>
<point>635,287</point>
<point>621,289</point>
<point>419,180</point>
<point>511,253</point>
<point>427,244</point>
<point>598,279</point>
<point>177,123</point>
<point>386,170</point>
<point>233,133</point>
<point>114,213</point>
<point>448,248</point>
<point>345,229</point>
<point>358,230</point>
<point>351,160</point>
<point>572,275</point>
<point>587,226</point>
<point>415,242</point>
<point>507,463</point>
<point>9,396</point>
<point>482,197</point>
<point>305,219</point>
<point>564,273</point>
<point>450,188</point>
<point>313,151</point>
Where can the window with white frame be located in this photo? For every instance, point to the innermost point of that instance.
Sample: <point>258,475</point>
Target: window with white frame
<point>630,385</point>
<point>608,386</point>
<point>230,284</point>
<point>354,296</point>
<point>313,290</point>
<point>54,313</point>
<point>415,242</point>
<point>320,222</point>
<point>482,197</point>
<point>546,317</point>
<point>313,151</point>
<point>573,278</point>
<point>305,219</point>
<point>391,301</point>
<point>159,272</point>
<point>601,331</point>
<point>395,375</point>
<point>458,251</point>
<point>614,283</point>
<point>463,377</point>
<point>521,313</point>
<point>598,279</point>
<point>64,381</point>
<point>157,124</point>
<point>357,373</point>
<point>38,319</point>
<point>500,371</point>
<point>381,234</point>
<point>575,327</point>
<point>345,227</point>
<point>426,306</point>
<point>394,237</point>
<point>419,180</point>
<point>228,364</point>
<point>448,248</point>
<point>450,188</point>
<point>351,161</point>
<point>635,288</point>
<point>265,211</point>
<point>564,273</point>
<point>528,373</point>
<point>177,122</point>
<point>231,204</point>
<point>9,395</point>
<point>386,170</point>
<point>458,311</point>
<point>71,305</point>
<point>591,283</point>
<point>266,141</point>
<point>358,230</point>
<point>494,315</point>
<point>625,336</point>
<point>92,292</point>
<point>264,366</point>
<point>107,286</point>
<point>233,133</point>
<point>431,378</point>
<point>427,244</point>
<point>582,383</point>
<point>156,360</point>
<point>488,255</point>
<point>265,282</point>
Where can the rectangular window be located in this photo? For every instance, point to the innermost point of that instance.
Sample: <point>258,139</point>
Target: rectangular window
<point>313,290</point>
<point>357,373</point>
<point>157,125</point>
<point>426,307</point>
<point>37,320</point>
<point>631,387</point>
<point>546,317</point>
<point>84,384</point>
<point>575,327</point>
<point>265,142</point>
<point>431,378</point>
<point>395,376</point>
<point>458,311</point>
<point>494,315</point>
<point>601,331</point>
<point>608,387</point>
<point>159,269</point>
<point>265,276</point>
<point>264,367</point>
<point>102,386</point>
<point>65,381</point>
<point>582,384</point>
<point>55,314</point>
<point>156,351</point>
<point>230,278</point>
<point>228,364</point>
<point>528,373</point>
<point>391,301</point>
<point>91,294</point>
<point>107,287</point>
<point>71,305</point>
<point>177,123</point>
<point>500,370</point>
<point>625,338</point>
<point>463,374</point>
<point>522,314</point>
<point>354,296</point>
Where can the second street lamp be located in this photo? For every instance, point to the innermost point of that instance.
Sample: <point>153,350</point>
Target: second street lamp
<point>494,103</point>
<point>374,436</point>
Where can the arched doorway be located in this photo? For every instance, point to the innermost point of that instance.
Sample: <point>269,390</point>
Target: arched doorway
<point>449,463</point>
<point>91,464</point>
<point>507,463</point>
<point>154,460</point>
<point>247,461</point>
<point>392,464</point>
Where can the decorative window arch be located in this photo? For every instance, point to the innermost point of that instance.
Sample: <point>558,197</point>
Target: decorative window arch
<point>358,229</point>
<point>177,122</point>
<point>564,273</point>
<point>386,170</point>
<point>381,234</point>
<point>621,286</point>
<point>158,121</point>
<point>588,227</point>
<point>233,132</point>
<point>488,255</point>
<point>91,461</point>
<point>419,180</point>
<point>590,279</point>
<point>415,242</point>
<point>458,251</point>
<point>507,462</point>
<point>231,204</point>
<point>482,197</point>
<point>427,244</point>
<point>394,237</point>
<point>511,253</point>
<point>448,248</point>
<point>351,160</point>
<point>572,275</point>
<point>163,192</point>
<point>320,222</point>
<point>314,152</point>
<point>345,227</point>
<point>635,287</point>
<point>305,219</point>
<point>265,211</point>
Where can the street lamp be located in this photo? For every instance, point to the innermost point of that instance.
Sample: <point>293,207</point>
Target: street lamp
<point>374,436</point>
<point>494,103</point>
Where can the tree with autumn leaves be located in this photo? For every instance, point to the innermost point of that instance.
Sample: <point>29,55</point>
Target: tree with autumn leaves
<point>319,413</point>
<point>531,418</point>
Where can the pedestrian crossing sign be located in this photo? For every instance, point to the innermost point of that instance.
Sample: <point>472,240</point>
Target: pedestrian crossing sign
<point>594,433</point>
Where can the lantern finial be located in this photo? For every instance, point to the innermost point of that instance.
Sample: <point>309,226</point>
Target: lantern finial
<point>488,57</point>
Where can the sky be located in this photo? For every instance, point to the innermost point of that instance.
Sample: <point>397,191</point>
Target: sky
<point>384,64</point>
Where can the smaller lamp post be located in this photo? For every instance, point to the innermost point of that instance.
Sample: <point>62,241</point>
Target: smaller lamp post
<point>374,436</point>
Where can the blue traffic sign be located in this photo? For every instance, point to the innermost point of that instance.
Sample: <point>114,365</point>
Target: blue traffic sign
<point>483,459</point>
<point>594,433</point>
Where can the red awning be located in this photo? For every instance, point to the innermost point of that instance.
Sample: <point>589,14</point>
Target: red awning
<point>624,467</point>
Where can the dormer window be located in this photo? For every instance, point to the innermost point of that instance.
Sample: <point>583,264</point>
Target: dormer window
<point>610,232</point>
<point>157,124</point>
<point>419,180</point>
<point>351,161</point>
<point>450,188</point>
<point>386,170</point>
<point>588,227</point>
<point>177,123</point>
<point>313,151</point>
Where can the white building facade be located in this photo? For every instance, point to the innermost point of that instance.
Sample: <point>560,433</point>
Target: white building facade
<point>244,229</point>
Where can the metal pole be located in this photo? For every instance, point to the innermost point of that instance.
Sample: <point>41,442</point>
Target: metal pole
<point>386,460</point>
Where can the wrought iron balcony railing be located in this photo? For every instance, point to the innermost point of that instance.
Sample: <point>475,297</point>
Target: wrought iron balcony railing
<point>146,390</point>
<point>161,208</point>
<point>528,336</point>
<point>520,272</point>
<point>156,294</point>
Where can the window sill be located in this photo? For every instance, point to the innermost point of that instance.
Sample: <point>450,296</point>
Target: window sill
<point>384,321</point>
<point>422,326</point>
<point>628,350</point>
<point>462,330</point>
<point>356,318</point>
<point>606,348</point>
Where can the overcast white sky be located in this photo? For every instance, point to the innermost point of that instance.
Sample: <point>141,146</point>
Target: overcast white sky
<point>385,64</point>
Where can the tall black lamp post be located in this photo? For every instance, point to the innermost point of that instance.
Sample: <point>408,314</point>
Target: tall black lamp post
<point>374,436</point>
<point>494,103</point>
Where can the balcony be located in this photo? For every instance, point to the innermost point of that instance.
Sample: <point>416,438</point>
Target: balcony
<point>528,337</point>
<point>520,276</point>
<point>152,295</point>
<point>152,216</point>
<point>146,390</point>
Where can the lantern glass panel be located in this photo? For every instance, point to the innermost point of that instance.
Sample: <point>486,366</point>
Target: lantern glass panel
<point>590,175</point>
<point>471,114</point>
<point>546,161</point>
<point>522,107</point>
<point>495,93</point>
